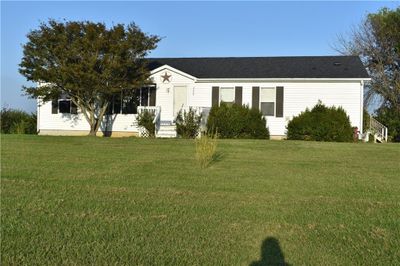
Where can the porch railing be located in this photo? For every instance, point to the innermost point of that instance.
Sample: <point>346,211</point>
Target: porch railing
<point>156,119</point>
<point>378,129</point>
<point>198,110</point>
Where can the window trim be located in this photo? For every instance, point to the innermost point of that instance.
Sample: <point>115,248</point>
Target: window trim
<point>55,105</point>
<point>64,100</point>
<point>220,95</point>
<point>274,101</point>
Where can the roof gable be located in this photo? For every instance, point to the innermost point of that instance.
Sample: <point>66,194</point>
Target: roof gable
<point>266,67</point>
<point>167,68</point>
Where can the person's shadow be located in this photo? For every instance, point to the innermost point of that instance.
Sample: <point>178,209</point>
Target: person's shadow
<point>271,254</point>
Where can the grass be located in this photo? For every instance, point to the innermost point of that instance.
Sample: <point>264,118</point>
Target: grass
<point>82,200</point>
<point>206,150</point>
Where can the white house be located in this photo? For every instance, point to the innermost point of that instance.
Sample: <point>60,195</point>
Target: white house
<point>281,87</point>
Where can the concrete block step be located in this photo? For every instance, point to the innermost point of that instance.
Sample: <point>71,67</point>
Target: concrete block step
<point>166,136</point>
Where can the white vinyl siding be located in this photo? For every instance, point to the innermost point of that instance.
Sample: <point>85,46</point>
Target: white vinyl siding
<point>67,121</point>
<point>199,96</point>
<point>246,100</point>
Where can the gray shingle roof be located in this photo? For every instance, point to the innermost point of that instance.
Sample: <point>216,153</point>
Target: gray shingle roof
<point>267,67</point>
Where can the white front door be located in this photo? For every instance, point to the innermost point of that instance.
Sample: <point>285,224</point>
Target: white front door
<point>180,98</point>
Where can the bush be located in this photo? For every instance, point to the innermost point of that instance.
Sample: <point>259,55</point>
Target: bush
<point>15,121</point>
<point>145,119</point>
<point>390,117</point>
<point>371,138</point>
<point>366,120</point>
<point>321,124</point>
<point>206,148</point>
<point>237,121</point>
<point>188,124</point>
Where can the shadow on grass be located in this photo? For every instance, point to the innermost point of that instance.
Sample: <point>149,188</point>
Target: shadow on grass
<point>271,254</point>
<point>217,157</point>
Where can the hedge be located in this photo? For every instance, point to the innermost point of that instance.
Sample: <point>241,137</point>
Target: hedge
<point>237,121</point>
<point>14,121</point>
<point>321,124</point>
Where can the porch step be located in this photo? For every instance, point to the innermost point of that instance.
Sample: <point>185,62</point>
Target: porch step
<point>378,130</point>
<point>377,138</point>
<point>166,131</point>
<point>167,123</point>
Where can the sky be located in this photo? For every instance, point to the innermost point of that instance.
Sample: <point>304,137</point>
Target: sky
<point>189,29</point>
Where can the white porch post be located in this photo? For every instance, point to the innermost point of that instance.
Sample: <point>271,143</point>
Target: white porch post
<point>386,133</point>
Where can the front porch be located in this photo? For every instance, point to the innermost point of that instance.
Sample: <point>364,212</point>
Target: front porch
<point>165,127</point>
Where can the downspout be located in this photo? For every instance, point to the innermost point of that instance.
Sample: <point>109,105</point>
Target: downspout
<point>38,116</point>
<point>362,107</point>
<point>39,100</point>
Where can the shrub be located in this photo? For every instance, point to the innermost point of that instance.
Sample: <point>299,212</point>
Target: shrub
<point>366,120</point>
<point>206,148</point>
<point>390,117</point>
<point>19,128</point>
<point>188,124</point>
<point>371,138</point>
<point>15,121</point>
<point>145,119</point>
<point>321,124</point>
<point>237,121</point>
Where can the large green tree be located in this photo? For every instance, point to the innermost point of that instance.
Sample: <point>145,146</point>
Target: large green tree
<point>377,41</point>
<point>87,61</point>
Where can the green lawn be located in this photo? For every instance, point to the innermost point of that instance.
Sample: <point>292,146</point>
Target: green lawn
<point>82,200</point>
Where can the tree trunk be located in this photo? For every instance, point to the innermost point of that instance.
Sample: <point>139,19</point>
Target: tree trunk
<point>92,131</point>
<point>92,123</point>
<point>90,114</point>
<point>96,122</point>
<point>94,127</point>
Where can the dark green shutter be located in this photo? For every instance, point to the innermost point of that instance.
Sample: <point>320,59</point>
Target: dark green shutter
<point>54,106</point>
<point>215,96</point>
<point>279,101</point>
<point>238,95</point>
<point>256,98</point>
<point>74,108</point>
<point>152,96</point>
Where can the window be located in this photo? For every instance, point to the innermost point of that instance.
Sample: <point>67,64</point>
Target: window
<point>267,101</point>
<point>267,108</point>
<point>227,95</point>
<point>117,103</point>
<point>130,102</point>
<point>64,106</point>
<point>127,102</point>
<point>144,97</point>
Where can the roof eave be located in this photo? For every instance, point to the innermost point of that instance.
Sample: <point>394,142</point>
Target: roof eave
<point>279,79</point>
